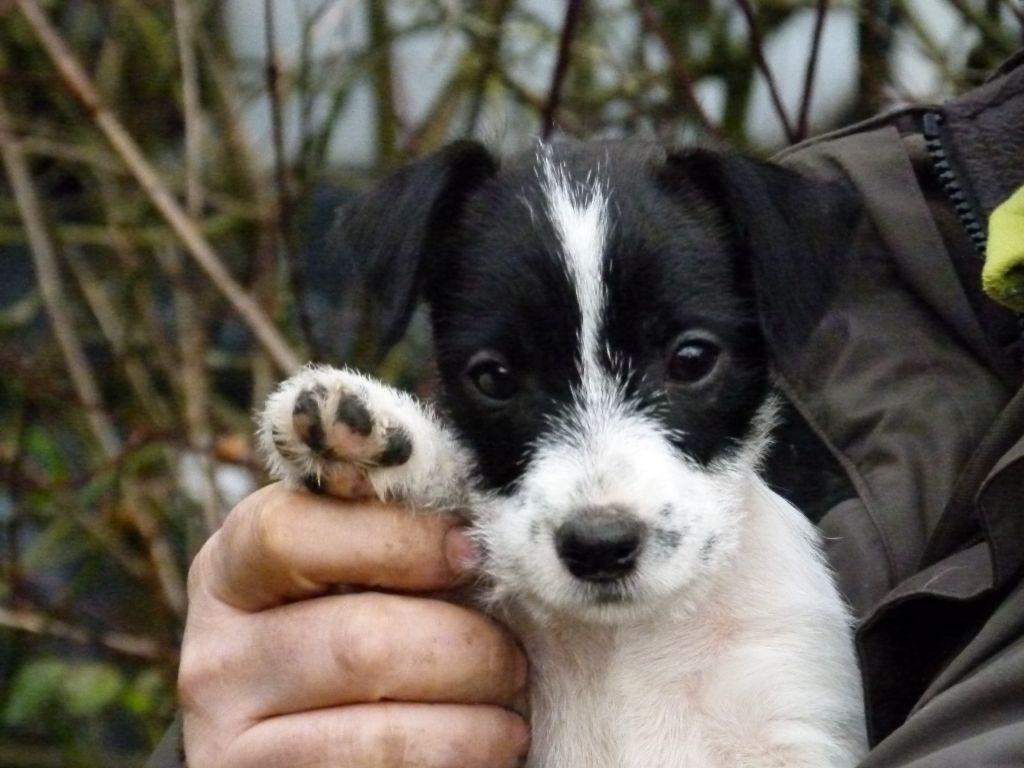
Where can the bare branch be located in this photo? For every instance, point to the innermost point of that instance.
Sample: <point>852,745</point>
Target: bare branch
<point>184,25</point>
<point>1017,11</point>
<point>116,333</point>
<point>81,86</point>
<point>134,646</point>
<point>51,288</point>
<point>83,379</point>
<point>283,222</point>
<point>383,78</point>
<point>273,79</point>
<point>191,334</point>
<point>812,69</point>
<point>680,73</point>
<point>487,48</point>
<point>757,48</point>
<point>573,11</point>
<point>990,28</point>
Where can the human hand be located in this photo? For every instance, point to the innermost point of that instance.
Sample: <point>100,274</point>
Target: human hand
<point>278,670</point>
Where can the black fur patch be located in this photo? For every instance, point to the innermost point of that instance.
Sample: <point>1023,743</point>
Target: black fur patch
<point>742,250</point>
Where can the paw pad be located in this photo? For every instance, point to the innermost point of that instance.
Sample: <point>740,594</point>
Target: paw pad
<point>324,420</point>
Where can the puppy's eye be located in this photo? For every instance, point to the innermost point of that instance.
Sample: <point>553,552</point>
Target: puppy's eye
<point>693,358</point>
<point>491,376</point>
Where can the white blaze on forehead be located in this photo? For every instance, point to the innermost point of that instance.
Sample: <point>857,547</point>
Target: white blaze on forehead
<point>578,213</point>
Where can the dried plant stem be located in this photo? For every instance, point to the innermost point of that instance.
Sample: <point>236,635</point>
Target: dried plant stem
<point>383,77</point>
<point>681,77</point>
<point>274,93</point>
<point>134,646</point>
<point>757,49</point>
<point>194,381</point>
<point>131,563</point>
<point>282,232</point>
<point>573,11</point>
<point>184,27</point>
<point>51,288</point>
<point>114,330</point>
<point>812,69</point>
<point>81,86</point>
<point>486,49</point>
<point>992,32</point>
<point>83,379</point>
<point>165,564</point>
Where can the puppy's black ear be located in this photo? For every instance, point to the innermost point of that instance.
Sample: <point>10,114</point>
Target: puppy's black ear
<point>796,233</point>
<point>385,239</point>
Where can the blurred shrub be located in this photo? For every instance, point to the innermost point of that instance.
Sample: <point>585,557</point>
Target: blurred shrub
<point>129,372</point>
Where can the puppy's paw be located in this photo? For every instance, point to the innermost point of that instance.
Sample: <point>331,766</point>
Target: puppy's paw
<point>326,428</point>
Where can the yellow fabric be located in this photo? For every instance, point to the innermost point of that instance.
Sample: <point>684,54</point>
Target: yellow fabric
<point>1003,274</point>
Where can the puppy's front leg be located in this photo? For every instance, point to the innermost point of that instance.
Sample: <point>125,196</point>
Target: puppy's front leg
<point>337,429</point>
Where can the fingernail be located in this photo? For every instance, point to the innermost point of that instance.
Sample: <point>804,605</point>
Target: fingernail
<point>462,553</point>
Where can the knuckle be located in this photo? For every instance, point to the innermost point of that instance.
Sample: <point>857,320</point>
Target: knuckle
<point>198,571</point>
<point>361,647</point>
<point>271,535</point>
<point>200,669</point>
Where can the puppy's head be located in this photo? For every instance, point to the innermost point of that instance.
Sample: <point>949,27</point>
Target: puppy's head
<point>604,317</point>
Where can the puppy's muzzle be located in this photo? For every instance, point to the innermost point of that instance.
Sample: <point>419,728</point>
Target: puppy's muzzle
<point>600,544</point>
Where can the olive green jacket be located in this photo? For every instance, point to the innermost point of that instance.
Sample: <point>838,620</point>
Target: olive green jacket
<point>913,382</point>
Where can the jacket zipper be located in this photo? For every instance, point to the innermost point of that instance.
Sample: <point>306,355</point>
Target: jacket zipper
<point>932,125</point>
<point>932,130</point>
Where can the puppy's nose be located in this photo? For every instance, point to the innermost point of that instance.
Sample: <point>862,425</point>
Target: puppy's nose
<point>599,545</point>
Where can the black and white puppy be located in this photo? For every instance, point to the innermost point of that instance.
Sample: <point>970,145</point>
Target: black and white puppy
<point>605,317</point>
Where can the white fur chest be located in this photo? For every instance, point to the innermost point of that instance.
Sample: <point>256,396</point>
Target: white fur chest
<point>758,672</point>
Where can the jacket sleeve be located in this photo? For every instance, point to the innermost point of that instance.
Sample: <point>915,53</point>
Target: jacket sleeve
<point>169,753</point>
<point>976,720</point>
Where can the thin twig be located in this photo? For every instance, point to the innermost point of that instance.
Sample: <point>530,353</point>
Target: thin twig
<point>875,25</point>
<point>679,72</point>
<point>114,329</point>
<point>12,467</point>
<point>273,79</point>
<point>383,78</point>
<point>134,646</point>
<point>83,379</point>
<point>225,88</point>
<point>284,228</point>
<point>1017,10</point>
<point>184,26</point>
<point>757,48</point>
<point>573,11</point>
<point>51,288</point>
<point>192,342</point>
<point>812,69</point>
<point>161,555</point>
<point>990,29</point>
<point>81,86</point>
<point>486,48</point>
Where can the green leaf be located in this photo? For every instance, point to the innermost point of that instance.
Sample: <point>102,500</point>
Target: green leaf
<point>91,687</point>
<point>144,694</point>
<point>34,689</point>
